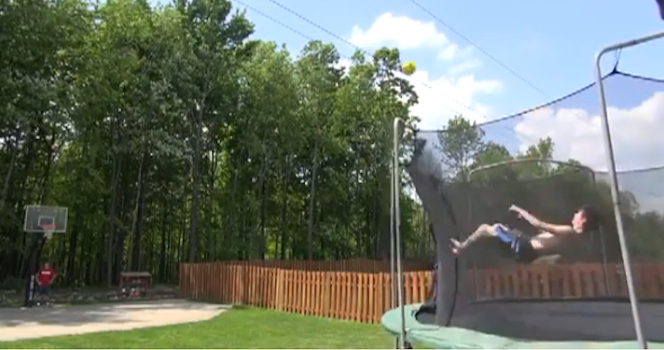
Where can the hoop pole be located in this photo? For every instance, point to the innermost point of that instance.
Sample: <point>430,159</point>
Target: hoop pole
<point>397,231</point>
<point>613,177</point>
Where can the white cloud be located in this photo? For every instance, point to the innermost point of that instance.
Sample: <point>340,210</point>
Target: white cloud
<point>343,63</point>
<point>453,52</point>
<point>441,97</point>
<point>637,142</point>
<point>407,34</point>
<point>444,97</point>
<point>404,32</point>
<point>449,52</point>
<point>464,67</point>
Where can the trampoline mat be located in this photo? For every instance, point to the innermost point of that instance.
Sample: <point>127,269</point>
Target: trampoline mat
<point>436,337</point>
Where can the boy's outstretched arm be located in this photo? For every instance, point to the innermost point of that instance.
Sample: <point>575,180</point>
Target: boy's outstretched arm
<point>539,224</point>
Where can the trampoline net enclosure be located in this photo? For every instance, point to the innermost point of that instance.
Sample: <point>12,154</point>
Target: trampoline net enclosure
<point>546,188</point>
<point>509,162</point>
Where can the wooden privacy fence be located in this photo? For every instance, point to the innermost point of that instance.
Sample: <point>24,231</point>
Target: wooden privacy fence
<point>349,265</point>
<point>365,296</point>
<point>358,296</point>
<point>566,281</point>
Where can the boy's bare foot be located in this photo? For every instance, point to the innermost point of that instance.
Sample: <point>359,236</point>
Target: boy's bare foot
<point>457,247</point>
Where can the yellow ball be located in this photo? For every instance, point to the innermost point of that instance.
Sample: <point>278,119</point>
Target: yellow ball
<point>408,68</point>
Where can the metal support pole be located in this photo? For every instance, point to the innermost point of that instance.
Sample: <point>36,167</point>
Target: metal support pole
<point>615,191</point>
<point>396,186</point>
<point>476,290</point>
<point>393,272</point>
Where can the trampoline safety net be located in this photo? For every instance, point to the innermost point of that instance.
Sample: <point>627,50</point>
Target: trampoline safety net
<point>550,161</point>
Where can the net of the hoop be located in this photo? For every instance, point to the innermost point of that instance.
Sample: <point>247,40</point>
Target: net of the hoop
<point>48,230</point>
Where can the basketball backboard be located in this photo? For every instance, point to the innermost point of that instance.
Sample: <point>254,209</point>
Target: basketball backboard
<point>37,216</point>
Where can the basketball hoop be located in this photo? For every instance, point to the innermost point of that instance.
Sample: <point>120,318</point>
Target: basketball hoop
<point>44,221</point>
<point>48,231</point>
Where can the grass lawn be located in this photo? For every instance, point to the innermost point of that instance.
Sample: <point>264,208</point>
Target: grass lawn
<point>236,328</point>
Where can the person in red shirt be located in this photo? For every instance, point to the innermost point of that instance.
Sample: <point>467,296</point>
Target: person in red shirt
<point>45,278</point>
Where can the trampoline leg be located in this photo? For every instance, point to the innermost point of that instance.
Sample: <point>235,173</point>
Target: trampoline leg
<point>395,259</point>
<point>393,272</point>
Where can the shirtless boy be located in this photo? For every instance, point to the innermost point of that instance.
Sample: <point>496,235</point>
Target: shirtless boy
<point>527,249</point>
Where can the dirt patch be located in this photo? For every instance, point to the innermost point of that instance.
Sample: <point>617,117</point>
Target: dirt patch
<point>37,322</point>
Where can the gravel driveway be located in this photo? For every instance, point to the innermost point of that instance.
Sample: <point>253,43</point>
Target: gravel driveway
<point>39,322</point>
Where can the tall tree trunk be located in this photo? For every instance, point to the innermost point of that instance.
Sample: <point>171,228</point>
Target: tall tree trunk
<point>44,191</point>
<point>73,245</point>
<point>183,224</point>
<point>211,233</point>
<point>14,149</point>
<point>284,208</point>
<point>22,242</point>
<point>312,202</point>
<point>135,257</point>
<point>196,178</point>
<point>236,249</point>
<point>381,223</point>
<point>263,237</point>
<point>162,250</point>
<point>62,253</point>
<point>100,264</point>
<point>122,236</point>
<point>169,249</point>
<point>74,236</point>
<point>112,216</point>
<point>116,162</point>
<point>149,264</point>
<point>260,239</point>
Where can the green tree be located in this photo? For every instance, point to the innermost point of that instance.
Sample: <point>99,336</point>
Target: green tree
<point>172,137</point>
<point>460,142</point>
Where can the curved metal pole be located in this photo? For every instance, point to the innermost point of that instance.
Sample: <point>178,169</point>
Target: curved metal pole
<point>526,160</point>
<point>615,191</point>
<point>396,187</point>
<point>468,221</point>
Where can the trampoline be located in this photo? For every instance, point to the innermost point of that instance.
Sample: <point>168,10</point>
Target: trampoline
<point>464,313</point>
<point>498,318</point>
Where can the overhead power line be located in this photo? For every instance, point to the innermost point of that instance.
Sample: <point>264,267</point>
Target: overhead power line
<point>261,13</point>
<point>296,14</point>
<point>491,57</point>
<point>282,24</point>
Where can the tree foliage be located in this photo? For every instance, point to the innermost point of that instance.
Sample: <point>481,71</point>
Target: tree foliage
<point>171,136</point>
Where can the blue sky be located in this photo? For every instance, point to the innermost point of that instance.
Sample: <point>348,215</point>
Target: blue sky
<point>550,44</point>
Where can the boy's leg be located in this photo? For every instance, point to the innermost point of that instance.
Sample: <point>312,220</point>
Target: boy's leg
<point>37,296</point>
<point>483,231</point>
<point>47,293</point>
